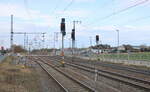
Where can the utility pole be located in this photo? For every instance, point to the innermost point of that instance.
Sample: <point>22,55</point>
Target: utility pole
<point>27,44</point>
<point>63,31</point>
<point>97,42</point>
<point>63,46</point>
<point>70,42</point>
<point>43,40</point>
<point>20,33</point>
<point>30,47</point>
<point>90,41</point>
<point>11,37</point>
<point>117,43</point>
<point>43,45</point>
<point>90,47</point>
<point>96,71</point>
<point>55,39</point>
<point>73,35</point>
<point>54,44</point>
<point>24,40</point>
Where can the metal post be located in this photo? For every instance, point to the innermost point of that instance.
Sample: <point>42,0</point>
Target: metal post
<point>91,41</point>
<point>90,48</point>
<point>118,43</point>
<point>63,57</point>
<point>73,46</point>
<point>27,43</point>
<point>55,41</point>
<point>69,43</point>
<point>43,40</point>
<point>62,45</point>
<point>96,71</point>
<point>54,45</point>
<point>98,48</point>
<point>73,40</point>
<point>24,40</point>
<point>128,55</point>
<point>11,38</point>
<point>25,36</point>
<point>63,31</point>
<point>29,48</point>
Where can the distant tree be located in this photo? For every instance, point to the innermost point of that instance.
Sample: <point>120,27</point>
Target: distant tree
<point>128,47</point>
<point>144,48</point>
<point>102,46</point>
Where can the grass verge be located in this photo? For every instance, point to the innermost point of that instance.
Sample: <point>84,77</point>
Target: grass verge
<point>17,78</point>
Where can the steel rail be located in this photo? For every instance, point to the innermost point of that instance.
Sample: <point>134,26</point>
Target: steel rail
<point>67,75</point>
<point>87,68</point>
<point>65,90</point>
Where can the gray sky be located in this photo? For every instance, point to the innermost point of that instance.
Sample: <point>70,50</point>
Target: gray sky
<point>102,17</point>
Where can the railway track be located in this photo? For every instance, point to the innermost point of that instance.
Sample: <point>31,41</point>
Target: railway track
<point>63,89</point>
<point>118,67</point>
<point>110,65</point>
<point>132,81</point>
<point>68,83</point>
<point>141,71</point>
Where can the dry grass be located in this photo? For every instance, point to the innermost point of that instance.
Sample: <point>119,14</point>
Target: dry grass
<point>17,78</point>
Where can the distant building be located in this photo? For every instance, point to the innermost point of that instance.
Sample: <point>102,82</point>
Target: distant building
<point>122,48</point>
<point>136,47</point>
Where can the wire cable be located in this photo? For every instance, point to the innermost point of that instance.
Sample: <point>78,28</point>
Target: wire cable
<point>137,19</point>
<point>71,2</point>
<point>27,8</point>
<point>120,11</point>
<point>29,14</point>
<point>57,4</point>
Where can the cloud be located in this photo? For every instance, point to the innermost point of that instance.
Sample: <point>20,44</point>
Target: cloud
<point>26,14</point>
<point>110,28</point>
<point>127,33</point>
<point>140,29</point>
<point>74,13</point>
<point>38,21</point>
<point>127,3</point>
<point>85,0</point>
<point>23,22</point>
<point>8,9</point>
<point>126,28</point>
<point>35,17</point>
<point>81,0</point>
